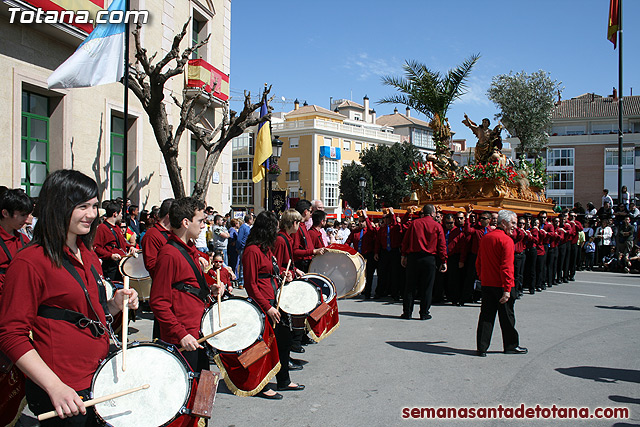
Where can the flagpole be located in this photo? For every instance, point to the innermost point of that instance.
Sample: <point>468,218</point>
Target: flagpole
<point>126,112</point>
<point>620,98</point>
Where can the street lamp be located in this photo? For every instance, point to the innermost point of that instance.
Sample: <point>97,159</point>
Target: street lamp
<point>363,184</point>
<point>276,148</point>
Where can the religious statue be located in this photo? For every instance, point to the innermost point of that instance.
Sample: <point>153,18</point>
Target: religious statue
<point>489,145</point>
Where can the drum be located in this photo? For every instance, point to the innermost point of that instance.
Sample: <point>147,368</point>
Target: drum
<point>139,278</point>
<point>346,271</point>
<point>326,286</point>
<point>299,297</point>
<point>247,316</point>
<point>12,392</point>
<point>167,373</point>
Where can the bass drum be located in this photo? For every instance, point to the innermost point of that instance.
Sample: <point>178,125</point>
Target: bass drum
<point>346,270</point>
<point>139,278</point>
<point>170,384</point>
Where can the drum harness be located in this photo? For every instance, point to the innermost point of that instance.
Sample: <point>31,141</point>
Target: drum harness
<point>202,292</point>
<point>82,321</point>
<point>273,278</point>
<point>6,251</point>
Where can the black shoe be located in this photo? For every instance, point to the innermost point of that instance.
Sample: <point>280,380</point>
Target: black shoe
<point>294,367</point>
<point>517,350</point>
<point>532,291</point>
<point>276,396</point>
<point>539,289</point>
<point>565,280</point>
<point>549,286</point>
<point>481,353</point>
<point>571,279</point>
<point>405,316</point>
<point>425,316</point>
<point>298,387</point>
<point>307,341</point>
<point>297,349</point>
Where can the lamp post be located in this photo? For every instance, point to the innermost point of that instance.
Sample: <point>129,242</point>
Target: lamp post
<point>276,146</point>
<point>363,185</point>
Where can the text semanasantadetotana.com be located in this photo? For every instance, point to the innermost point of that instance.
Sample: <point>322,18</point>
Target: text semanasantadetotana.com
<point>518,412</point>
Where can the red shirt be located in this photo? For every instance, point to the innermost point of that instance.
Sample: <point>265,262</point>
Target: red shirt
<point>281,250</point>
<point>316,238</point>
<point>394,231</point>
<point>153,240</point>
<point>225,276</point>
<point>474,236</point>
<point>518,240</point>
<point>179,313</point>
<point>14,242</point>
<point>577,228</point>
<point>302,244</point>
<point>531,238</point>
<point>425,235</point>
<point>73,354</point>
<point>457,241</point>
<point>256,263</point>
<point>106,244</point>
<point>364,239</point>
<point>494,264</point>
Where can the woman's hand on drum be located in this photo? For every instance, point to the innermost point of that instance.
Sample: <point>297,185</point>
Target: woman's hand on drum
<point>299,273</point>
<point>289,276</point>
<point>318,251</point>
<point>66,401</point>
<point>115,304</point>
<point>116,257</point>
<point>274,314</point>
<point>189,343</point>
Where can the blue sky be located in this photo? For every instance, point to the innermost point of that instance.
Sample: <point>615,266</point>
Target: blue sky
<point>316,50</point>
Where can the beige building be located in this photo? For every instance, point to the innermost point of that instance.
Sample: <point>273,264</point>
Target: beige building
<point>83,128</point>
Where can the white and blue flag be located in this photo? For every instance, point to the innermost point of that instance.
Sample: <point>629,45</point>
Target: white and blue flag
<point>98,60</point>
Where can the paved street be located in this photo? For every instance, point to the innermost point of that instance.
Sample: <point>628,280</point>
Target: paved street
<point>583,345</point>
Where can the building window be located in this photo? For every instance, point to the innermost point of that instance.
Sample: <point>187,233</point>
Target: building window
<point>560,181</point>
<point>560,157</point>
<point>611,157</point>
<point>117,157</point>
<point>294,142</point>
<point>327,141</point>
<point>564,201</point>
<point>346,145</point>
<point>357,116</point>
<point>34,142</point>
<point>294,193</point>
<point>242,169</point>
<point>358,147</point>
<point>198,33</point>
<point>242,193</point>
<point>330,180</point>
<point>423,139</point>
<point>243,145</point>
<point>193,164</point>
<point>294,173</point>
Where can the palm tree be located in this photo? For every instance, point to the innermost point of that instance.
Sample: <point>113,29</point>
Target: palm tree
<point>431,94</point>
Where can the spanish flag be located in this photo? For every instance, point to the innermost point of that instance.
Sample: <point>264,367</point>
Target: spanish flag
<point>263,146</point>
<point>613,22</point>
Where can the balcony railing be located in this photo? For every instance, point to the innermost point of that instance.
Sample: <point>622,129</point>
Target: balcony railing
<point>293,176</point>
<point>350,130</point>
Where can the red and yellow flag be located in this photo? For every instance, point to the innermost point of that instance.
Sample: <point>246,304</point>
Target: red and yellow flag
<point>612,31</point>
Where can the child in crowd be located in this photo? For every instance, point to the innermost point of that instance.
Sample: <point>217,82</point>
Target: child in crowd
<point>590,252</point>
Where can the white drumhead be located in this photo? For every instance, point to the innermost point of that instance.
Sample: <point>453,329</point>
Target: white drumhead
<point>298,297</point>
<point>134,267</point>
<point>339,267</point>
<point>325,285</point>
<point>247,317</point>
<point>149,364</point>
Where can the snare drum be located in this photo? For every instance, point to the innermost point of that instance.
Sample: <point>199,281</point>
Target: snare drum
<point>168,375</point>
<point>247,316</point>
<point>346,271</point>
<point>326,286</point>
<point>139,278</point>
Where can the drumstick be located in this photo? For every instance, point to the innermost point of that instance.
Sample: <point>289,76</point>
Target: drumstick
<point>219,298</point>
<point>92,402</point>
<point>282,284</point>
<point>211,335</point>
<point>125,324</point>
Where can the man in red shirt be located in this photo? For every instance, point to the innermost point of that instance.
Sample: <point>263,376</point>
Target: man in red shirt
<point>156,236</point>
<point>363,240</point>
<point>574,249</point>
<point>387,254</point>
<point>456,246</point>
<point>109,244</point>
<point>15,208</point>
<point>494,266</point>
<point>422,242</point>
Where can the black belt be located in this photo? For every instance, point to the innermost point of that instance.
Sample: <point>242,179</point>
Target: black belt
<point>201,294</point>
<point>78,319</point>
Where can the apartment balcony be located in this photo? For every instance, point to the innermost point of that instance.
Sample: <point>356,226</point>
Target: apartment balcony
<point>338,129</point>
<point>293,176</point>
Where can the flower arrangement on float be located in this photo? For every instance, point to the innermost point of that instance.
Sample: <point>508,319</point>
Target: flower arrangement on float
<point>489,171</point>
<point>422,175</point>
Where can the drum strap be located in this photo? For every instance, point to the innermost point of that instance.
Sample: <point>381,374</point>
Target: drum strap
<point>203,290</point>
<point>102,293</point>
<point>273,277</point>
<point>78,319</point>
<point>288,245</point>
<point>6,249</point>
<point>201,294</point>
<point>115,236</point>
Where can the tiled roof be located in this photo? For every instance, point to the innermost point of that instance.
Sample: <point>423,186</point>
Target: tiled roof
<point>595,106</point>
<point>314,109</point>
<point>398,119</point>
<point>349,103</point>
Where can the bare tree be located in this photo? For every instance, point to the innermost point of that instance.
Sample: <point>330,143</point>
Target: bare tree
<point>147,82</point>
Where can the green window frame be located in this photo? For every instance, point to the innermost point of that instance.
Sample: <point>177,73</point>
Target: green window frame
<point>116,138</point>
<point>34,153</point>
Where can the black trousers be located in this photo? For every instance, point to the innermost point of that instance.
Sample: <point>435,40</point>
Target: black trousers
<point>552,265</point>
<point>490,306</point>
<point>388,272</point>
<point>197,359</point>
<point>518,270</point>
<point>421,273</point>
<point>455,279</point>
<point>370,269</point>
<point>541,274</point>
<point>284,340</point>
<point>573,259</point>
<point>39,403</point>
<point>562,259</point>
<point>530,268</point>
<point>470,277</point>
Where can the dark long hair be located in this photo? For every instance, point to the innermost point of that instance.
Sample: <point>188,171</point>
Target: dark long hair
<point>61,192</point>
<point>264,231</point>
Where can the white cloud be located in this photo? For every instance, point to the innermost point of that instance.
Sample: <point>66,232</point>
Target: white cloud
<point>476,92</point>
<point>365,67</point>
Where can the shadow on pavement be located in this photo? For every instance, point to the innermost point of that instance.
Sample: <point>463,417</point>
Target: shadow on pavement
<point>377,315</point>
<point>602,375</point>
<point>624,399</point>
<point>431,347</point>
<point>619,307</point>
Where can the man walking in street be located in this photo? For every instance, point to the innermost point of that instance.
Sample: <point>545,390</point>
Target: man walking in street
<point>495,269</point>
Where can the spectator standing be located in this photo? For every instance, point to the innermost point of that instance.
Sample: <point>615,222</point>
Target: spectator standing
<point>606,197</point>
<point>243,234</point>
<point>343,232</point>
<point>625,196</point>
<point>625,236</point>
<point>232,249</point>
<point>589,253</point>
<point>220,236</point>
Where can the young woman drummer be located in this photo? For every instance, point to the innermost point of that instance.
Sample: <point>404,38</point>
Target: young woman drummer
<point>261,278</point>
<point>56,283</point>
